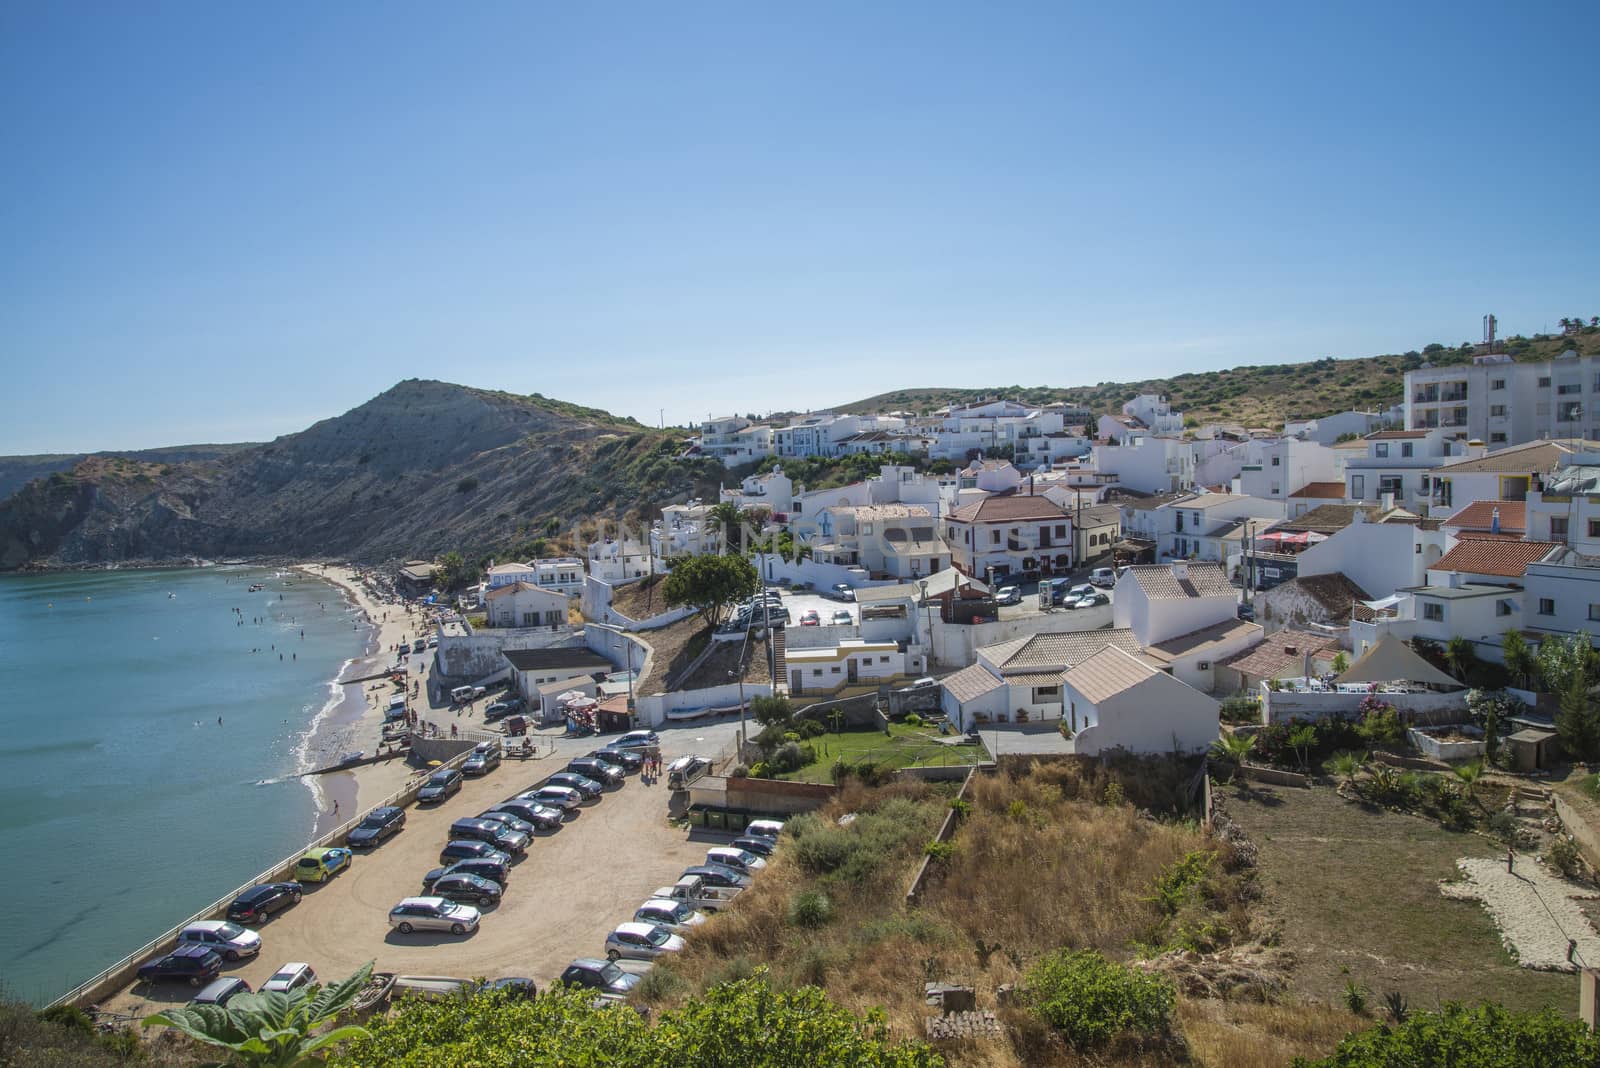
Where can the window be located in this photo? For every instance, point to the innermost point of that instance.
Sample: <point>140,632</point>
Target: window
<point>1567,389</point>
<point>1544,381</point>
<point>883,660</point>
<point>1392,484</point>
<point>1358,484</point>
<point>1594,611</point>
<point>1204,665</point>
<point>1497,383</point>
<point>1417,548</point>
<point>994,537</point>
<point>1275,461</point>
<point>1497,411</point>
<point>816,673</point>
<point>1594,528</point>
<point>1405,448</point>
<point>1558,527</point>
<point>1504,608</point>
<point>1433,612</point>
<point>1547,606</point>
<point>1381,450</point>
<point>1275,489</point>
<point>1497,438</point>
<point>836,669</point>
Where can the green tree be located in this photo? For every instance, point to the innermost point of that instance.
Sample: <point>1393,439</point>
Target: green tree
<point>452,571</point>
<point>727,518</point>
<point>1460,655</point>
<point>1233,749</point>
<point>1302,739</point>
<point>770,711</point>
<point>1468,775</point>
<point>1341,663</point>
<point>1578,721</point>
<point>1518,657</point>
<point>1345,764</point>
<point>1092,1000</point>
<point>1562,660</point>
<point>272,1029</point>
<point>709,583</point>
<point>1487,1036</point>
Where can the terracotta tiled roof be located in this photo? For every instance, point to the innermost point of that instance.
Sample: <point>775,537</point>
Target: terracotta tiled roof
<point>971,683</point>
<point>519,585</point>
<point>1519,459</point>
<point>1494,556</point>
<point>1042,652</point>
<point>1281,651</point>
<point>1106,674</point>
<point>1385,434</point>
<point>1009,509</point>
<point>1333,491</point>
<point>1479,515</point>
<point>1206,638</point>
<point>1329,518</point>
<point>1159,583</point>
<point>1333,591</point>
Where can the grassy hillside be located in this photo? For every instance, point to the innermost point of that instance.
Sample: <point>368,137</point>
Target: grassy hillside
<point>1252,395</point>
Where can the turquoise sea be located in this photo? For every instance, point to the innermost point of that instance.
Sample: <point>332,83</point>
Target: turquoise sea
<point>148,754</point>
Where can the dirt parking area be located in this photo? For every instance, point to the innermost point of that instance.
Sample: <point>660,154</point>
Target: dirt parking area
<point>565,895</point>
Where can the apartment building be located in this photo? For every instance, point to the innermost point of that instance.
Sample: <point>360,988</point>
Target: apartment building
<point>1005,535</point>
<point>1501,402</point>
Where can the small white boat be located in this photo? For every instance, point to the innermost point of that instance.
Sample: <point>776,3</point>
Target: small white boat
<point>352,758</point>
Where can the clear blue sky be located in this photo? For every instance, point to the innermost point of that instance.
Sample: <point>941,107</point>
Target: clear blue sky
<point>225,221</point>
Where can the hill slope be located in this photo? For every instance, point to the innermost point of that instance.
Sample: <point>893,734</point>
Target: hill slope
<point>423,468</point>
<point>18,471</point>
<point>1264,395</point>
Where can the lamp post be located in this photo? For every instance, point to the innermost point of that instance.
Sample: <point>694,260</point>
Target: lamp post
<point>927,665</point>
<point>739,675</point>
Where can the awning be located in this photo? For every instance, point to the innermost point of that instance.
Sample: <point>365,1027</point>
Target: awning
<point>1392,660</point>
<point>1384,603</point>
<point>1285,537</point>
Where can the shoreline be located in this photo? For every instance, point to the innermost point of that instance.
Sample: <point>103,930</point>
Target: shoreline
<point>353,716</point>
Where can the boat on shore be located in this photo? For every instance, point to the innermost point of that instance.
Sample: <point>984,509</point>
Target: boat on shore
<point>374,996</point>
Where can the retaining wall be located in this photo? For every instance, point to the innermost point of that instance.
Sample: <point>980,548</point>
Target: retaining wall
<point>1422,708</point>
<point>954,644</point>
<point>651,710</point>
<point>947,831</point>
<point>1583,835</point>
<point>119,975</point>
<point>481,653</point>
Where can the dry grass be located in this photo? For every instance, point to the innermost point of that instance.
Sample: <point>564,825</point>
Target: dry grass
<point>1234,1034</point>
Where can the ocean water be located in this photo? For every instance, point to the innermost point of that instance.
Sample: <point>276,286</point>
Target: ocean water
<point>147,754</point>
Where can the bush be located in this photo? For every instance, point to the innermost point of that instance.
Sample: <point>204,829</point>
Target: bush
<point>1488,1036</point>
<point>1564,857</point>
<point>810,909</point>
<point>913,720</point>
<point>1241,709</point>
<point>1503,825</point>
<point>810,728</point>
<point>1091,1000</point>
<point>467,485</point>
<point>791,756</point>
<point>939,850</point>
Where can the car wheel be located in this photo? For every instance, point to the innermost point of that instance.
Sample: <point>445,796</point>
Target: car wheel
<point>195,980</point>
<point>294,898</point>
<point>485,901</point>
<point>612,955</point>
<point>405,928</point>
<point>457,929</point>
<point>232,954</point>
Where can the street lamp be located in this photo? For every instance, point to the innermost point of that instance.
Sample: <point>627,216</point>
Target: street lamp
<point>927,665</point>
<point>739,675</point>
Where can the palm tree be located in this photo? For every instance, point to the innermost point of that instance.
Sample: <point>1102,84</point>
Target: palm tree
<point>272,1029</point>
<point>1519,659</point>
<point>1233,749</point>
<point>726,517</point>
<point>1468,775</point>
<point>1345,764</point>
<point>1563,323</point>
<point>1460,655</point>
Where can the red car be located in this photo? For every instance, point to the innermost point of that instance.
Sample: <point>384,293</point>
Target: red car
<point>809,618</point>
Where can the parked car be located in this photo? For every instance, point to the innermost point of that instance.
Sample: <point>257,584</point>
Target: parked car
<point>470,849</point>
<point>718,875</point>
<point>685,770</point>
<point>508,821</point>
<point>1103,577</point>
<point>495,870</point>
<point>693,891</point>
<point>433,914</point>
<point>467,888</point>
<point>321,864</point>
<point>403,649</point>
<point>764,829</point>
<point>842,618</point>
<point>841,591</point>
<point>1076,593</point>
<point>597,770</point>
<point>502,708</point>
<point>490,832</point>
<point>1008,595</point>
<point>754,843</point>
<point>514,985</point>
<point>543,817</point>
<point>679,917</point>
<point>290,977</point>
<point>735,858</point>
<point>555,796</point>
<point>1247,611</point>
<point>1092,600</point>
<point>229,940</point>
<point>637,740</point>
<point>641,941</point>
<point>380,823</point>
<point>195,965</point>
<point>601,975</point>
<point>626,759</point>
<point>440,785</point>
<point>810,618</point>
<point>484,759</point>
<point>262,900</point>
<point>219,991</point>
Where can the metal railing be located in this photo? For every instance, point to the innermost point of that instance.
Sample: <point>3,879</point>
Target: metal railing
<point>101,978</point>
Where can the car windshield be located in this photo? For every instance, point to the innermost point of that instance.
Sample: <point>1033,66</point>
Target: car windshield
<point>611,973</point>
<point>230,931</point>
<point>658,936</point>
<point>373,821</point>
<point>681,912</point>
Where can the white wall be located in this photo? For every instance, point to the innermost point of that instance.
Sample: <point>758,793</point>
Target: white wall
<point>1378,557</point>
<point>1156,716</point>
<point>955,644</point>
<point>993,704</point>
<point>480,653</point>
<point>651,709</point>
<point>1155,621</point>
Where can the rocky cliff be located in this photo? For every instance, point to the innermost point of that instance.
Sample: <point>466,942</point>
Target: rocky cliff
<point>423,468</point>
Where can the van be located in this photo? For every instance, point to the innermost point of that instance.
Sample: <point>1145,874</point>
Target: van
<point>685,770</point>
<point>1103,577</point>
<point>461,694</point>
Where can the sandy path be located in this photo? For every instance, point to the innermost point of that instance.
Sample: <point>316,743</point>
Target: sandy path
<point>570,890</point>
<point>1535,909</point>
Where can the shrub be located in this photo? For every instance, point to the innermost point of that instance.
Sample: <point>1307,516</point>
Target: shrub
<point>1241,709</point>
<point>810,909</point>
<point>939,850</point>
<point>1563,856</point>
<point>913,720</point>
<point>1503,825</point>
<point>1380,725</point>
<point>1355,997</point>
<point>1488,1036</point>
<point>467,485</point>
<point>1091,1000</point>
<point>810,728</point>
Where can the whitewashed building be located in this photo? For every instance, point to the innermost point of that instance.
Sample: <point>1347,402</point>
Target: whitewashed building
<point>1116,700</point>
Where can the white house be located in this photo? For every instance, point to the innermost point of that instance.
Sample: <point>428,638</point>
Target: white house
<point>508,574</point>
<point>734,440</point>
<point>1161,601</point>
<point>1327,429</point>
<point>1117,701</point>
<point>888,540</point>
<point>1503,475</point>
<point>1148,463</point>
<point>561,573</point>
<point>1565,505</point>
<point>682,530</point>
<point>1276,469</point>
<point>1562,594</point>
<point>1009,534</point>
<point>533,668</point>
<point>772,490</point>
<point>618,560</point>
<point>1397,464</point>
<point>1194,657</point>
<point>1020,680</point>
<point>523,604</point>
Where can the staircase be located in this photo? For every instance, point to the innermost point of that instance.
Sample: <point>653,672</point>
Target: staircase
<point>780,668</point>
<point>1532,801</point>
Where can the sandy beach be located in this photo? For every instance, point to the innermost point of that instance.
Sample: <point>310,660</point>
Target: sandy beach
<point>356,722</point>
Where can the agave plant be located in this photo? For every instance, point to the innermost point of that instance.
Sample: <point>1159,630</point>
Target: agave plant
<point>272,1029</point>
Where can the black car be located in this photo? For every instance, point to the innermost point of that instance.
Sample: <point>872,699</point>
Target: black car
<point>195,965</point>
<point>603,772</point>
<point>501,709</point>
<point>761,847</point>
<point>508,821</point>
<point>465,887</point>
<point>543,817</point>
<point>262,900</point>
<point>484,759</point>
<point>493,832</point>
<point>718,875</point>
<point>440,785</point>
<point>219,991</point>
<point>514,986</point>
<point>380,823</point>
<point>601,975</point>
<point>587,787</point>
<point>469,850</point>
<point>626,759</point>
<point>496,871</point>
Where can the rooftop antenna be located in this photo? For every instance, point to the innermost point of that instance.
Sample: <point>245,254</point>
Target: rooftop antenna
<point>1489,324</point>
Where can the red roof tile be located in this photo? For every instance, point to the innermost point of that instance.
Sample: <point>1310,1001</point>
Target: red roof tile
<point>1009,509</point>
<point>1492,556</point>
<point>1333,491</point>
<point>1479,515</point>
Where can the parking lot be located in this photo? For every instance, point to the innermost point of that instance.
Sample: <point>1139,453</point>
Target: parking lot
<point>798,603</point>
<point>564,896</point>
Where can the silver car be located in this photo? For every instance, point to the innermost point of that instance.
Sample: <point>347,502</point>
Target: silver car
<point>561,797</point>
<point>433,914</point>
<point>228,940</point>
<point>679,917</point>
<point>641,941</point>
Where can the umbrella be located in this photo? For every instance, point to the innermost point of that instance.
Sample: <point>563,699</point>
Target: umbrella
<point>435,763</point>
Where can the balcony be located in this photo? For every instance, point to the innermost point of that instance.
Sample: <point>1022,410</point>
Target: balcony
<point>1453,396</point>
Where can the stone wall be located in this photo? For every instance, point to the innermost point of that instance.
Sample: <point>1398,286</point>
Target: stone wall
<point>480,653</point>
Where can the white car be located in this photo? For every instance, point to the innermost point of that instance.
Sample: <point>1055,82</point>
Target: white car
<point>641,941</point>
<point>765,828</point>
<point>679,917</point>
<point>1008,595</point>
<point>290,977</point>
<point>738,859</point>
<point>433,914</point>
<point>637,740</point>
<point>562,797</point>
<point>229,940</point>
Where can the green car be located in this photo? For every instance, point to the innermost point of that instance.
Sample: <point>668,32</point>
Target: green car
<point>320,865</point>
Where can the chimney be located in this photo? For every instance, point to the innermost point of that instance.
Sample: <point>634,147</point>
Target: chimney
<point>1494,520</point>
<point>1180,569</point>
<point>1455,580</point>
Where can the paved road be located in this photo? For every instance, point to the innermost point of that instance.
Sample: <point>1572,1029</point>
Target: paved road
<point>564,897</point>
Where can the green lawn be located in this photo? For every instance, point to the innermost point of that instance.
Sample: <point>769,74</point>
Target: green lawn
<point>905,747</point>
